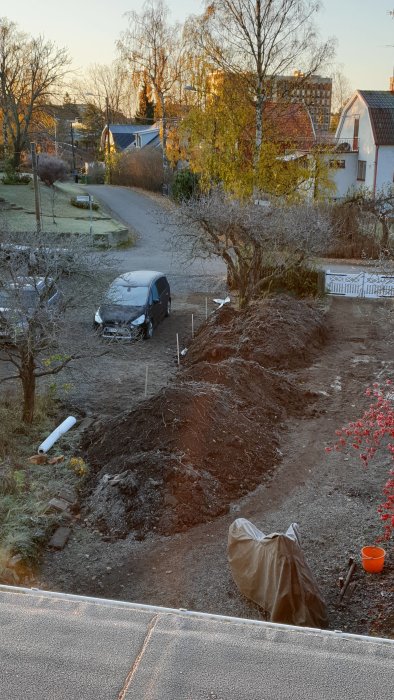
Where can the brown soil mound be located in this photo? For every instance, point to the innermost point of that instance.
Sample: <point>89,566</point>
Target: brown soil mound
<point>281,332</point>
<point>212,435</point>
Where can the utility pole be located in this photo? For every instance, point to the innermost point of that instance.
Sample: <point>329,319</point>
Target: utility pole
<point>73,149</point>
<point>36,190</point>
<point>56,146</point>
<point>108,141</point>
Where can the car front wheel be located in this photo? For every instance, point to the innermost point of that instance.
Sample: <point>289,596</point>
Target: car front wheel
<point>149,329</point>
<point>168,309</point>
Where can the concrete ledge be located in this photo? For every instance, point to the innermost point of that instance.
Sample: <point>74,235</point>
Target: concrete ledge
<point>105,239</point>
<point>111,239</point>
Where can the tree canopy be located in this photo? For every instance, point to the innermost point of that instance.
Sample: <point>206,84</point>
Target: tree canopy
<point>31,71</point>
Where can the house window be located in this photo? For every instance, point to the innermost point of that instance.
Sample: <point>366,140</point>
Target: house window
<point>337,164</point>
<point>361,169</point>
<point>356,127</point>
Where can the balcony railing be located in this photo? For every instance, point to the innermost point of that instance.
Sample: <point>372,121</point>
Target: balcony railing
<point>342,145</point>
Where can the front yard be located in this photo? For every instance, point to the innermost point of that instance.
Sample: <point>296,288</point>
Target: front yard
<point>17,211</point>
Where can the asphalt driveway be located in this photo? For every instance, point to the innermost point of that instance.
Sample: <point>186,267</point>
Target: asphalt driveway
<point>149,216</point>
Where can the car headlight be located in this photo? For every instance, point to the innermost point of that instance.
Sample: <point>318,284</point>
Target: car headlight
<point>97,317</point>
<point>138,321</point>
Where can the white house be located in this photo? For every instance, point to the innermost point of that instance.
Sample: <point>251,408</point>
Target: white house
<point>364,152</point>
<point>150,136</point>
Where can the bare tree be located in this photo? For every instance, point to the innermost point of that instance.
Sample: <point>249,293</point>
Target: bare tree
<point>108,88</point>
<point>154,50</point>
<point>51,169</point>
<point>261,39</point>
<point>341,90</point>
<point>30,72</point>
<point>251,238</point>
<point>43,291</point>
<point>375,208</point>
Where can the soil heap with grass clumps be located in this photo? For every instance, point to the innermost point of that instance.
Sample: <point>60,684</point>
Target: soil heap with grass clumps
<point>212,435</point>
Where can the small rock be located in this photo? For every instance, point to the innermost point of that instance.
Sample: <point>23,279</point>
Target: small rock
<point>59,504</point>
<point>59,538</point>
<point>69,495</point>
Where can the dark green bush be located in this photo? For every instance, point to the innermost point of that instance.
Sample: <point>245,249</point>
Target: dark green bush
<point>83,205</point>
<point>16,179</point>
<point>300,281</point>
<point>13,177</point>
<point>185,185</point>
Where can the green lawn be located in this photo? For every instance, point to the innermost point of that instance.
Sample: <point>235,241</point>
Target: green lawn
<point>69,219</point>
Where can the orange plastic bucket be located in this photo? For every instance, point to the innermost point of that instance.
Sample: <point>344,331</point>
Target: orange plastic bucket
<point>372,559</point>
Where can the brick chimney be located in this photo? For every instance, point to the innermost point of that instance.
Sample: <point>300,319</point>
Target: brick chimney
<point>391,88</point>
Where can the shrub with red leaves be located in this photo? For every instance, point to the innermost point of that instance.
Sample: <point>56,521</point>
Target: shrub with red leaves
<point>370,434</point>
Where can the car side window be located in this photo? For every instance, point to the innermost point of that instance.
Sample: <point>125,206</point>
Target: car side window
<point>49,292</point>
<point>155,292</point>
<point>161,285</point>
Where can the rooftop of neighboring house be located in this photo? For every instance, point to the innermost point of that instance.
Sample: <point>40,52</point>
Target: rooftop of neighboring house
<point>289,122</point>
<point>123,135</point>
<point>380,105</point>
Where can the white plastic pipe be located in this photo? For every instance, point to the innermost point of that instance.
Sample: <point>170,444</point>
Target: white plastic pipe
<point>55,435</point>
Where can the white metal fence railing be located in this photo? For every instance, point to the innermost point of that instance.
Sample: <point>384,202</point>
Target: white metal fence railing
<point>359,284</point>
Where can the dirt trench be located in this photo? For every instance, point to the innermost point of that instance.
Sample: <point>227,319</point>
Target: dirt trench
<point>331,497</point>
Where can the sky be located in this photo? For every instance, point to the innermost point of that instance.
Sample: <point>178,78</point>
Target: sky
<point>363,29</point>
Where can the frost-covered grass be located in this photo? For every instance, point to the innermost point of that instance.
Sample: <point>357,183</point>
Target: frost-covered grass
<point>68,218</point>
<point>26,519</point>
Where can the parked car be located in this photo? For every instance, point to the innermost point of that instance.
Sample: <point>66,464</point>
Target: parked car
<point>20,300</point>
<point>37,260</point>
<point>134,305</point>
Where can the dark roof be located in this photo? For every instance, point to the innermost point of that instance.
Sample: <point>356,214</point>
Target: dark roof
<point>124,134</point>
<point>122,140</point>
<point>127,128</point>
<point>381,110</point>
<point>155,143</point>
<point>378,98</point>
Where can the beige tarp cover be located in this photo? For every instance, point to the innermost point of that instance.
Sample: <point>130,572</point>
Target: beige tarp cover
<point>271,571</point>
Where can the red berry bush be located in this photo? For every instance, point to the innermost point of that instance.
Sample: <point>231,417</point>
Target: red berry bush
<point>371,434</point>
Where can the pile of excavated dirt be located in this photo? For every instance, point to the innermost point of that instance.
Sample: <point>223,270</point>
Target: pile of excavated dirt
<point>212,435</point>
<point>281,332</point>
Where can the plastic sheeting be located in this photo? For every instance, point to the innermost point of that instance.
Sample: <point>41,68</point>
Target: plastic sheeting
<point>271,571</point>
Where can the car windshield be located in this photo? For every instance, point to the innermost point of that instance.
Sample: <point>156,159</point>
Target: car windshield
<point>127,296</point>
<point>27,298</point>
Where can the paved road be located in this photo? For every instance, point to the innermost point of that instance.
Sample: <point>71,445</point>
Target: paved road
<point>53,646</point>
<point>151,220</point>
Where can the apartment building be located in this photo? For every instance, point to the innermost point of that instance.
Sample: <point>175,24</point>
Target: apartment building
<point>314,91</point>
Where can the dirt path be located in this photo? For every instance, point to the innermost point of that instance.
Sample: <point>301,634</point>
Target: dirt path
<point>331,497</point>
